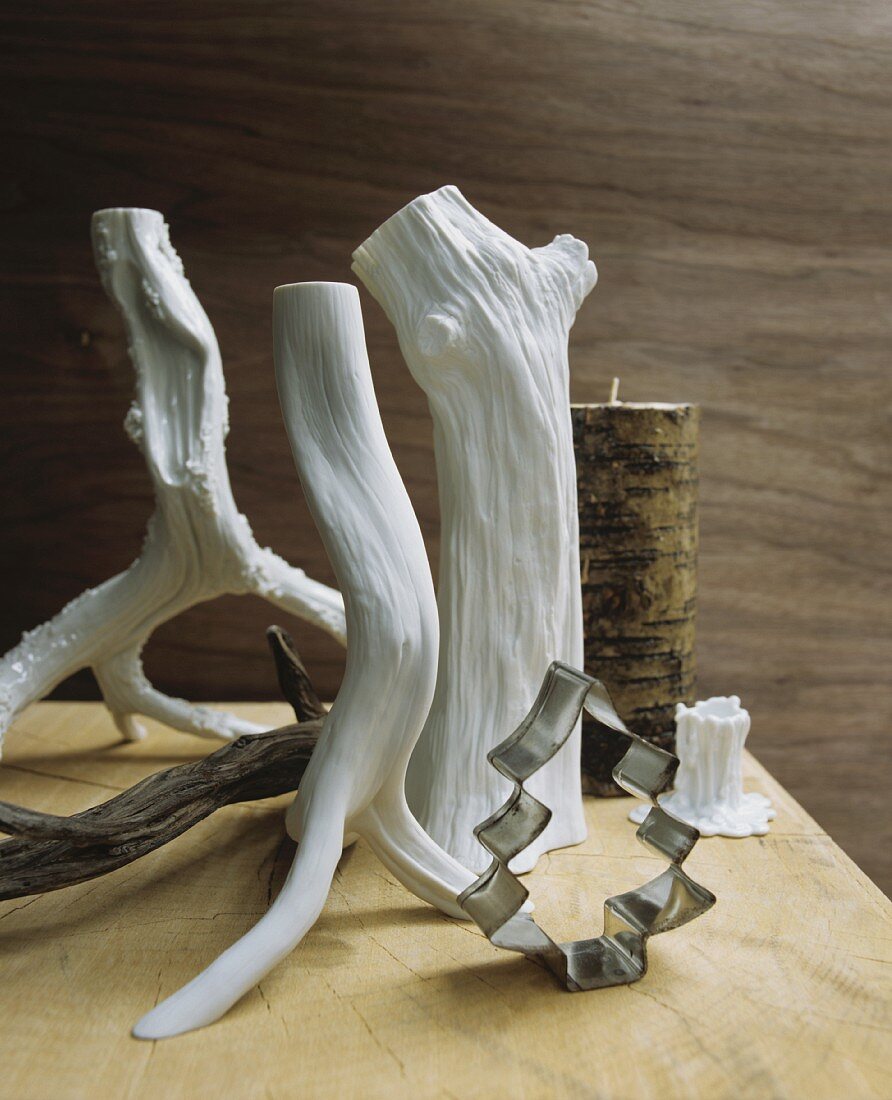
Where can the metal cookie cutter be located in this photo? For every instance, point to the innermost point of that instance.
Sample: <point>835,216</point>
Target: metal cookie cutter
<point>666,902</point>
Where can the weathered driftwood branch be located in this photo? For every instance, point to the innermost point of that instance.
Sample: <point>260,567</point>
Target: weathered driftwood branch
<point>198,545</point>
<point>50,852</point>
<point>483,323</point>
<point>355,783</point>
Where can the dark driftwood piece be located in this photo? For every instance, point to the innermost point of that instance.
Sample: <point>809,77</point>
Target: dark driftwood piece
<point>636,469</point>
<point>49,852</point>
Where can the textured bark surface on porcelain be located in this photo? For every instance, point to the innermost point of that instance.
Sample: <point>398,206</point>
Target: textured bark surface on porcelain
<point>709,794</point>
<point>483,323</point>
<point>198,546</point>
<point>355,782</point>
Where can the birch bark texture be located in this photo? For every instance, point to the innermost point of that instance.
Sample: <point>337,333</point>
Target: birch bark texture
<point>355,781</point>
<point>483,324</point>
<point>198,546</point>
<point>637,477</point>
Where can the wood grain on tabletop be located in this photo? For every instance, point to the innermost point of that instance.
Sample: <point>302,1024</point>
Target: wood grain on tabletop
<point>782,989</point>
<point>728,165</point>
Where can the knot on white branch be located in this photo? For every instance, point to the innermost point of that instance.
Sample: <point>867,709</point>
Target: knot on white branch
<point>438,335</point>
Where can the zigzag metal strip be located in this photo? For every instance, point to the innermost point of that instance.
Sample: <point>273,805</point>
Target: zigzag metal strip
<point>671,899</point>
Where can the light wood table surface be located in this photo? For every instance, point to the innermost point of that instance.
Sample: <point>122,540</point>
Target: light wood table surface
<point>782,990</point>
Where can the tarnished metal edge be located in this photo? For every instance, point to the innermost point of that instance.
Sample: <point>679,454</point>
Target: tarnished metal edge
<point>668,901</point>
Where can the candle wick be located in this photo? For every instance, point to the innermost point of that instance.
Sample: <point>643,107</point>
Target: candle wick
<point>614,390</point>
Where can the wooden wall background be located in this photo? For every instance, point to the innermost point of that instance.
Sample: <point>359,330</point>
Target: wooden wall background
<point>728,163</point>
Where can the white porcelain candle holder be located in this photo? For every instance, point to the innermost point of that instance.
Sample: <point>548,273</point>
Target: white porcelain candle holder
<point>483,324</point>
<point>709,791</point>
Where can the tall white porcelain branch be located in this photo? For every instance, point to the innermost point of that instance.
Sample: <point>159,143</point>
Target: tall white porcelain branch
<point>198,546</point>
<point>709,782</point>
<point>483,323</point>
<point>355,783</point>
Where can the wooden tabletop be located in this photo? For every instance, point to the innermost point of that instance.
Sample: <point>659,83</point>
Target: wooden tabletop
<point>782,990</point>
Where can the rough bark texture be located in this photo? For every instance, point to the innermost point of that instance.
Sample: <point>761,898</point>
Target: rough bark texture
<point>48,852</point>
<point>636,469</point>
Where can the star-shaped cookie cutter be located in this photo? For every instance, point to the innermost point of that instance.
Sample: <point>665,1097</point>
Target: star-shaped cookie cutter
<point>668,901</point>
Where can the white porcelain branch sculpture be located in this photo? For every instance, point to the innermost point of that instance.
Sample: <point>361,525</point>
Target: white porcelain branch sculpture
<point>198,546</point>
<point>354,785</point>
<point>483,323</point>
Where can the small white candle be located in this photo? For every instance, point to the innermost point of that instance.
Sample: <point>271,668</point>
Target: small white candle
<point>709,740</point>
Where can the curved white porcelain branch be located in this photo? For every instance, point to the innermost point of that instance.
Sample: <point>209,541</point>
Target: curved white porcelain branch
<point>709,794</point>
<point>483,323</point>
<point>355,782</point>
<point>198,546</point>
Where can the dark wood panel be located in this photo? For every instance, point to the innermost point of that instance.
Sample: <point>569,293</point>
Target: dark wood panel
<point>728,164</point>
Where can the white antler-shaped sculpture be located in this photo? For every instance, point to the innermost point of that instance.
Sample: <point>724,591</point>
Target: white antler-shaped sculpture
<point>355,782</point>
<point>198,546</point>
<point>483,323</point>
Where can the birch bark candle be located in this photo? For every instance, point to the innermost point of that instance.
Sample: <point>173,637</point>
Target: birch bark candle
<point>636,468</point>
